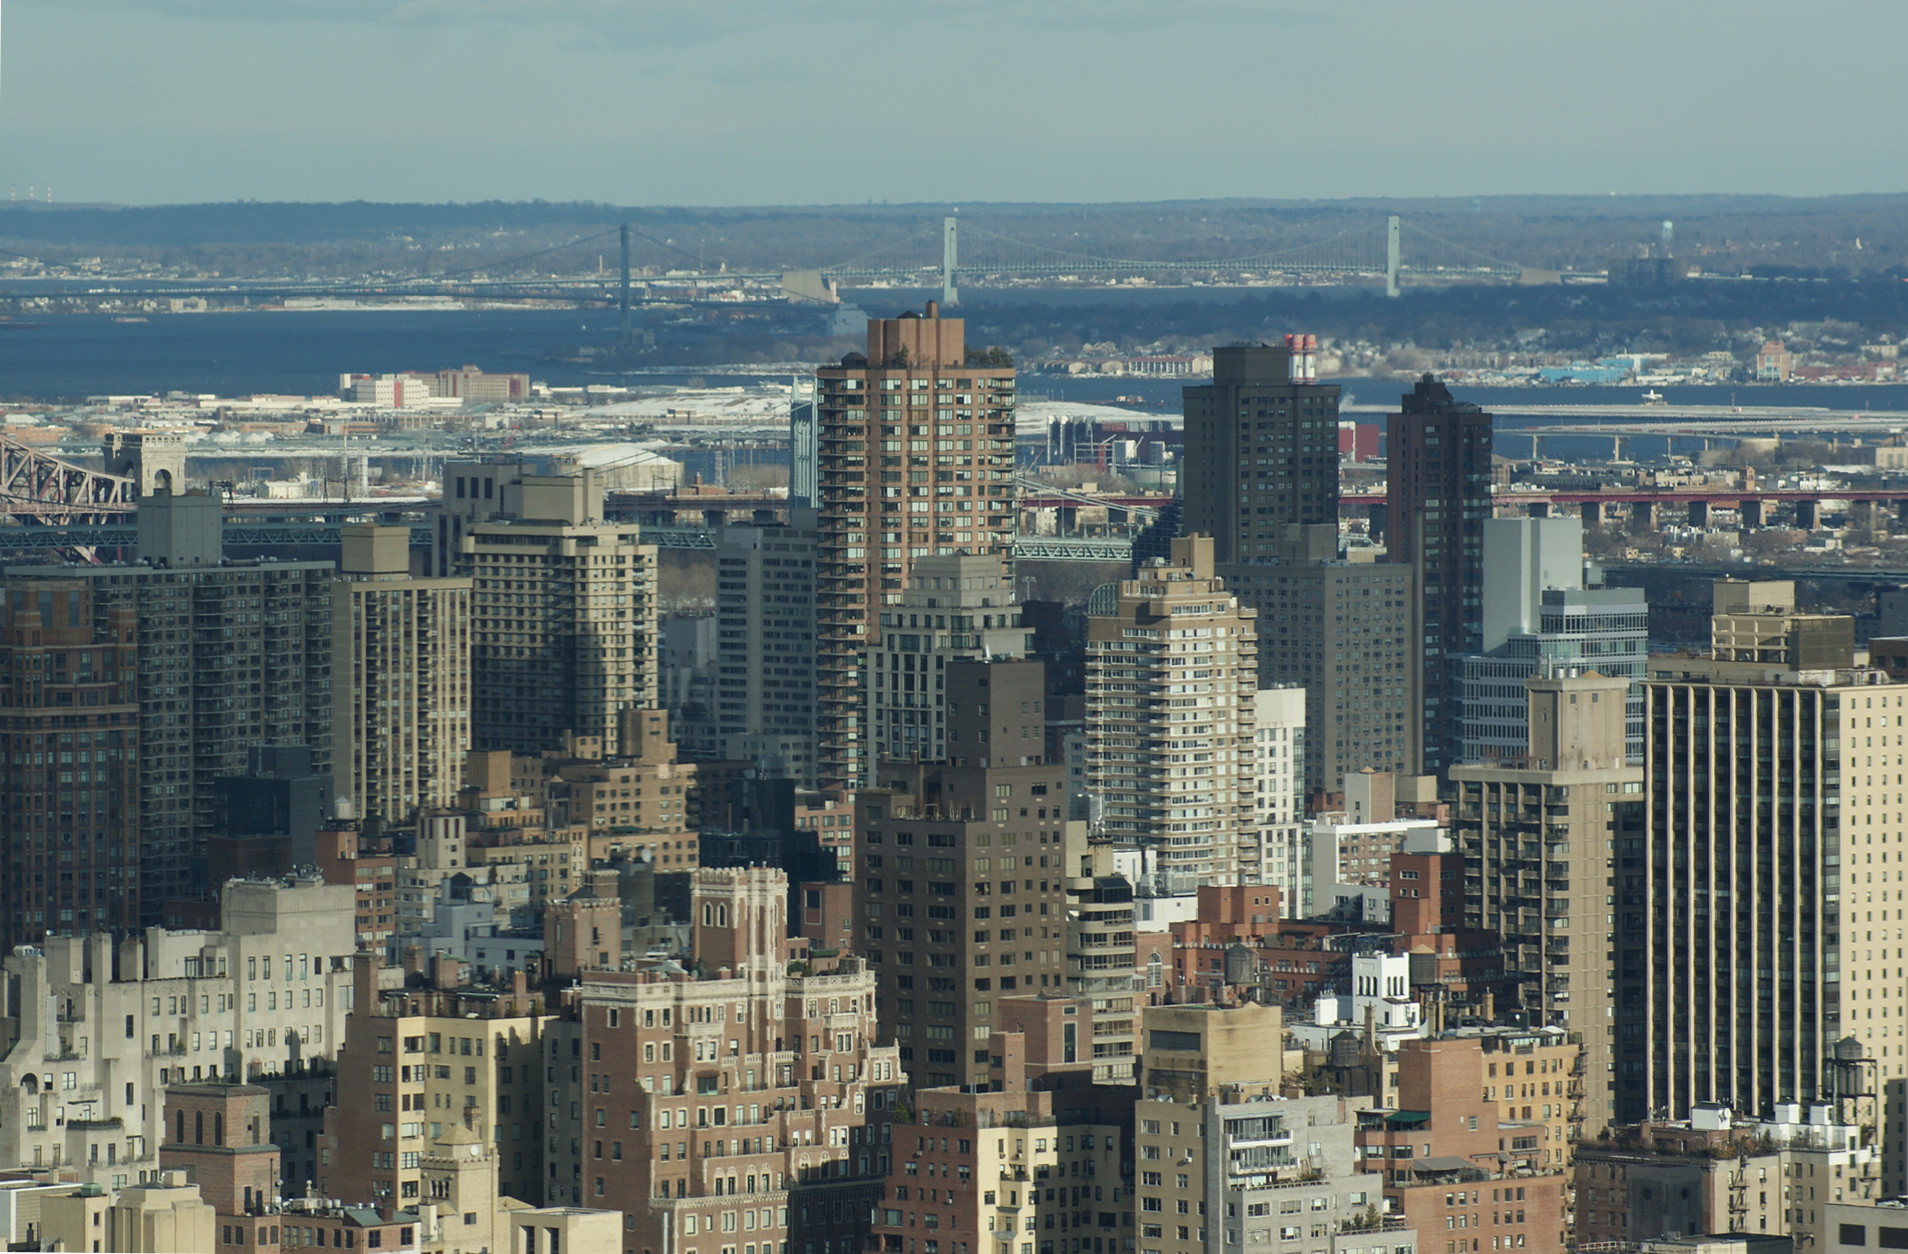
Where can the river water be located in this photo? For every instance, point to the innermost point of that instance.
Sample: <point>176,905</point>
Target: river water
<point>303,353</point>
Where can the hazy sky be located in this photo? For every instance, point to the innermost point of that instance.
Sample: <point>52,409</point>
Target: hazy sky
<point>825,101</point>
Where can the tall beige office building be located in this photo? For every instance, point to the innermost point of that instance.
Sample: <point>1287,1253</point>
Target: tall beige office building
<point>1172,678</point>
<point>563,617</point>
<point>1539,842</point>
<point>954,607</point>
<point>917,459</point>
<point>1761,911</point>
<point>400,657</point>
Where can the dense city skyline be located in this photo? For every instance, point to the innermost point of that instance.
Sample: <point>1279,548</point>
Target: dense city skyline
<point>636,627</point>
<point>563,847</point>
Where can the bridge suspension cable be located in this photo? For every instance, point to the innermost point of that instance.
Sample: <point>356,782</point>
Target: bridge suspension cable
<point>1496,265</point>
<point>1347,251</point>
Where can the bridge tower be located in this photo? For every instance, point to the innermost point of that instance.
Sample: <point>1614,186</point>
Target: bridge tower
<point>153,460</point>
<point>950,256</point>
<point>1391,256</point>
<point>625,294</point>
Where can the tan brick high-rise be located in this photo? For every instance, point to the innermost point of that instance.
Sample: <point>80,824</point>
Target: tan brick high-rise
<point>400,721</point>
<point>739,1105</point>
<point>917,458</point>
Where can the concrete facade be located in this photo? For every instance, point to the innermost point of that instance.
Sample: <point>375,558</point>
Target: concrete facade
<point>1278,750</point>
<point>1101,957</point>
<point>1600,629</point>
<point>1540,839</point>
<point>1226,1163</point>
<point>563,618</point>
<point>764,683</point>
<point>1340,631</point>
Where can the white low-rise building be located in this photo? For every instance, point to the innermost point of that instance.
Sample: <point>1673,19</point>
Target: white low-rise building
<point>93,1032</point>
<point>1379,1000</point>
<point>1278,751</point>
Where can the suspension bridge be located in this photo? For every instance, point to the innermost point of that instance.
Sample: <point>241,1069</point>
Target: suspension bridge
<point>1373,249</point>
<point>944,254</point>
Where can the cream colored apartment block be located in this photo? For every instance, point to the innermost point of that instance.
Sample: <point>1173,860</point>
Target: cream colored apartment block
<point>563,619</point>
<point>418,1072</point>
<point>400,654</point>
<point>1172,678</point>
<point>94,1031</point>
<point>1223,1162</point>
<point>168,1214</point>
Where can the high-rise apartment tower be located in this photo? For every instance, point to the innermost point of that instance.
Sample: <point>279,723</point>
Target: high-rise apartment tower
<point>230,656</point>
<point>961,893</point>
<point>1172,678</point>
<point>765,644</point>
<point>69,764</point>
<point>916,458</point>
<point>954,607</point>
<point>1752,930</point>
<point>1539,838</point>
<point>563,617</point>
<point>401,719</point>
<point>1438,479</point>
<point>1261,451</point>
<point>1341,631</point>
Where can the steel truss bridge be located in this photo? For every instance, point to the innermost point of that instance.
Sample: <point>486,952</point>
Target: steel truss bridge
<point>941,254</point>
<point>45,489</point>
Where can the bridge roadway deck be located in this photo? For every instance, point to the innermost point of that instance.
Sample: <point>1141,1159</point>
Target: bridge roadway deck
<point>244,534</point>
<point>1714,421</point>
<point>253,525</point>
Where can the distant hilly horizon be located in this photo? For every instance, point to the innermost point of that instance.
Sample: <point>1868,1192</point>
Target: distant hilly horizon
<point>1855,235</point>
<point>256,221</point>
